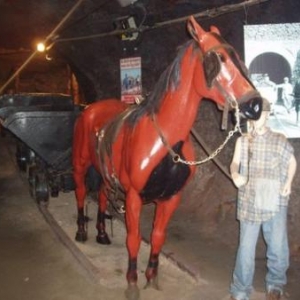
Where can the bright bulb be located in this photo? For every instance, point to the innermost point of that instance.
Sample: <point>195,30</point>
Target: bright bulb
<point>41,47</point>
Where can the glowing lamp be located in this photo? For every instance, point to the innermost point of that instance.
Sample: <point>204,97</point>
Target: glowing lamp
<point>41,47</point>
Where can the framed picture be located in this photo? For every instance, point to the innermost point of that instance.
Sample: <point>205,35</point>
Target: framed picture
<point>131,74</point>
<point>272,56</point>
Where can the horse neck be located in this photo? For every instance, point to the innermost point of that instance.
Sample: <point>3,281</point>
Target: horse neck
<point>180,106</point>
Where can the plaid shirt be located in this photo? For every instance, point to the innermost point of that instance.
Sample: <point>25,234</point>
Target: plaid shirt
<point>262,157</point>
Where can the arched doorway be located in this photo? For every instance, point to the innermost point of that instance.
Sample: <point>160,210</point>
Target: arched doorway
<point>273,64</point>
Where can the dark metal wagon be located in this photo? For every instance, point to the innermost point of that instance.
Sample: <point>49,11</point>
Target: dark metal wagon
<point>43,125</point>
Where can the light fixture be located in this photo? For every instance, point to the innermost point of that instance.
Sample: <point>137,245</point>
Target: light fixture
<point>43,48</point>
<point>129,24</point>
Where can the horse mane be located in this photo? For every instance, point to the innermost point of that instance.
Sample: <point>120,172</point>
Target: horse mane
<point>234,57</point>
<point>168,80</point>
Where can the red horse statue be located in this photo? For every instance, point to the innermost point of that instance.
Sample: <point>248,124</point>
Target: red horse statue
<point>139,150</point>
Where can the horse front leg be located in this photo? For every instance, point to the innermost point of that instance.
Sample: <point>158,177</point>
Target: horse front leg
<point>102,237</point>
<point>133,241</point>
<point>163,214</point>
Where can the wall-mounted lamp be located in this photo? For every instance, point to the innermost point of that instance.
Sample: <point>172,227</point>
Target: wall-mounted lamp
<point>42,48</point>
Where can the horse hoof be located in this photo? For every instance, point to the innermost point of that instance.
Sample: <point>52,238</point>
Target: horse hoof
<point>81,236</point>
<point>103,239</point>
<point>153,283</point>
<point>132,292</point>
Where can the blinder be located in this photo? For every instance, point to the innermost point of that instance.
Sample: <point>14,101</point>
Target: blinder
<point>211,67</point>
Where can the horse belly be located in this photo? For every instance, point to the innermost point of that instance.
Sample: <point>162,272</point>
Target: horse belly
<point>167,178</point>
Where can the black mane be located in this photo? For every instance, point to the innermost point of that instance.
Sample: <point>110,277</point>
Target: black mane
<point>169,80</point>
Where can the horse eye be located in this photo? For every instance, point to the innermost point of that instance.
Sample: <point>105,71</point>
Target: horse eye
<point>221,57</point>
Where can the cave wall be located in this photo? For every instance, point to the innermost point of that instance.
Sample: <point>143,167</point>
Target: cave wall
<point>96,60</point>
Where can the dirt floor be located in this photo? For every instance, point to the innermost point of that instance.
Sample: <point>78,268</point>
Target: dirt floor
<point>40,259</point>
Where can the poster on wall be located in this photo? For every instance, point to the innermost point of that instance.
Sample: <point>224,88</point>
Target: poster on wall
<point>272,56</point>
<point>131,85</point>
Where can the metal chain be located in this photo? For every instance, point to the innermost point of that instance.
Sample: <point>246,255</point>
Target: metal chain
<point>220,148</point>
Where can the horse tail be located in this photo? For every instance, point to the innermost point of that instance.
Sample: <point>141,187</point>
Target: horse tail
<point>80,158</point>
<point>79,139</point>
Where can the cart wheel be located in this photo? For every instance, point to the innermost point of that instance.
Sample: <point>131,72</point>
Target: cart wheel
<point>54,192</point>
<point>21,157</point>
<point>41,189</point>
<point>30,157</point>
<point>32,172</point>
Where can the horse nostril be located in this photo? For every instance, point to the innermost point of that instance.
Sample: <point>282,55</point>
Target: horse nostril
<point>252,108</point>
<point>257,105</point>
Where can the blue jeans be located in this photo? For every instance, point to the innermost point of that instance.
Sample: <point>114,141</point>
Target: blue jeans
<point>275,235</point>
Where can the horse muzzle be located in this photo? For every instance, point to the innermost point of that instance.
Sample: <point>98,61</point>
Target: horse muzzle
<point>251,106</point>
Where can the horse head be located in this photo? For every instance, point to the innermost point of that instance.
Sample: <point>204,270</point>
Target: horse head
<point>224,73</point>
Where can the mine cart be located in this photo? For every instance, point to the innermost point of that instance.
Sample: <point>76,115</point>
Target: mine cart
<point>43,125</point>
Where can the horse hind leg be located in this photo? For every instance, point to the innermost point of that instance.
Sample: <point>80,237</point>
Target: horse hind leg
<point>80,192</point>
<point>81,162</point>
<point>102,236</point>
<point>163,214</point>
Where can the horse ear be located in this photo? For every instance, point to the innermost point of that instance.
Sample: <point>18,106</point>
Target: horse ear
<point>215,30</point>
<point>195,29</point>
